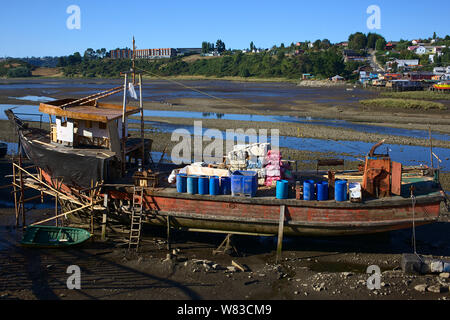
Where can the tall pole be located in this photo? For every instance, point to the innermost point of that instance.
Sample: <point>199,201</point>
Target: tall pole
<point>133,61</point>
<point>431,147</point>
<point>124,110</point>
<point>141,106</point>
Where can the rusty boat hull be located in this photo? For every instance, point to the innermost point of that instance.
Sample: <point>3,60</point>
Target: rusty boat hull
<point>260,215</point>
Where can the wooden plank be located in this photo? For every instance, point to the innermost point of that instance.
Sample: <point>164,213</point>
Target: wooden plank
<point>396,178</point>
<point>62,215</point>
<point>238,265</point>
<point>280,232</point>
<point>104,218</point>
<point>43,143</point>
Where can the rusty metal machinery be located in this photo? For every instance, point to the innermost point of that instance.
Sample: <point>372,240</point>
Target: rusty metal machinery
<point>381,175</point>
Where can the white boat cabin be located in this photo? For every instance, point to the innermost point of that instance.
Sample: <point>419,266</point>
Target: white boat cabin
<point>97,125</point>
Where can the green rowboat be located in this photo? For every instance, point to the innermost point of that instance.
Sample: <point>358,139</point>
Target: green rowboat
<point>53,237</point>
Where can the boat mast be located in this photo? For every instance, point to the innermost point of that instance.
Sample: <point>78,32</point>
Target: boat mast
<point>141,107</point>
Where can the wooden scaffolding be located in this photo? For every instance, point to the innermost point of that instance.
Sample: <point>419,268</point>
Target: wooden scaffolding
<point>31,178</point>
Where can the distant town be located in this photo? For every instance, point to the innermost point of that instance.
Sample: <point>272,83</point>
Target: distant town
<point>365,58</point>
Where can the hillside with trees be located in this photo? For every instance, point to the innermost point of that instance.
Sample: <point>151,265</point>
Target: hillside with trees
<point>320,58</point>
<point>15,68</point>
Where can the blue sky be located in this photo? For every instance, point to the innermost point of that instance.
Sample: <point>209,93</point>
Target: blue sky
<point>38,28</point>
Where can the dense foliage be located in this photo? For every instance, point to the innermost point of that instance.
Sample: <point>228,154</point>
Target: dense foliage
<point>323,63</point>
<point>15,68</point>
<point>320,58</point>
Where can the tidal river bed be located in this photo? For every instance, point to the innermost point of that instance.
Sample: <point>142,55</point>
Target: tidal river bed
<point>310,268</point>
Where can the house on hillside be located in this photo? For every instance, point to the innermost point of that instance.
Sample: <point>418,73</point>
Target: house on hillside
<point>390,46</point>
<point>350,55</point>
<point>439,70</point>
<point>337,78</point>
<point>401,63</point>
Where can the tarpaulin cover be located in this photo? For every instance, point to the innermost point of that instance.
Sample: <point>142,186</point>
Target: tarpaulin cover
<point>75,170</point>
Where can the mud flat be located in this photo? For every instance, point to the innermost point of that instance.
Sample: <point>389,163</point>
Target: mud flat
<point>325,268</point>
<point>310,268</point>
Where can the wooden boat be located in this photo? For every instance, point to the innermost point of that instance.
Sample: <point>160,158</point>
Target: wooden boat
<point>100,156</point>
<point>442,86</point>
<point>53,237</point>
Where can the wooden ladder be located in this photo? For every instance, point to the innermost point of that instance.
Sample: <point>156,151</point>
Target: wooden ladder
<point>136,218</point>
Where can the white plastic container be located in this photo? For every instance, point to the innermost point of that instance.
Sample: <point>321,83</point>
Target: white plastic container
<point>355,191</point>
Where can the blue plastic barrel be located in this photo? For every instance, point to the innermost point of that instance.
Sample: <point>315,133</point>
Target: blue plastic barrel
<point>182,183</point>
<point>244,183</point>
<point>203,185</point>
<point>282,189</point>
<point>192,184</point>
<point>322,191</point>
<point>308,190</point>
<point>225,185</point>
<point>214,186</point>
<point>340,190</point>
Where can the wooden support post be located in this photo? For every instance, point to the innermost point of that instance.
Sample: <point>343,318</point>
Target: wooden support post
<point>16,209</point>
<point>91,209</point>
<point>22,193</point>
<point>168,232</point>
<point>40,178</point>
<point>104,219</point>
<point>56,209</point>
<point>280,233</point>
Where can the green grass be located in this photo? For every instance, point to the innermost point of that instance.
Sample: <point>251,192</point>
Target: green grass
<point>403,103</point>
<point>421,95</point>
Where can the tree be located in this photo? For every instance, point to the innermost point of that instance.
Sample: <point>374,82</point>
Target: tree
<point>205,47</point>
<point>357,41</point>
<point>252,46</point>
<point>89,54</point>
<point>62,62</point>
<point>101,53</point>
<point>220,46</point>
<point>74,59</point>
<point>317,44</point>
<point>19,72</point>
<point>244,72</point>
<point>326,44</point>
<point>380,44</point>
<point>434,35</point>
<point>372,39</point>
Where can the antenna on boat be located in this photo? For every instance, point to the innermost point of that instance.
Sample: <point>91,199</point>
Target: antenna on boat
<point>125,74</point>
<point>133,61</point>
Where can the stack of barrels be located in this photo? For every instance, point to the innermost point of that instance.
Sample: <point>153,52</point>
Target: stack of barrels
<point>314,191</point>
<point>203,185</point>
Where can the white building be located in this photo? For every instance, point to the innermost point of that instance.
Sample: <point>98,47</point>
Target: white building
<point>439,70</point>
<point>407,63</point>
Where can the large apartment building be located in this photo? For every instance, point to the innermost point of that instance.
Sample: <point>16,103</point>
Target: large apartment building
<point>144,53</point>
<point>152,53</point>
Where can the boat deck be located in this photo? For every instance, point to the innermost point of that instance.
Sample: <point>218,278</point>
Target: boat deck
<point>424,187</point>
